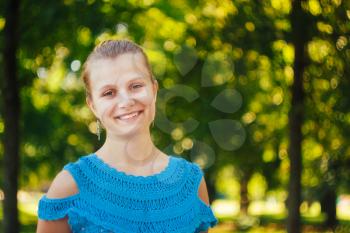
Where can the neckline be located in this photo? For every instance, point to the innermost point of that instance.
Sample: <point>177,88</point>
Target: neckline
<point>99,162</point>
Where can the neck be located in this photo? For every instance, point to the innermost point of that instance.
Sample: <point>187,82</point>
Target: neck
<point>134,151</point>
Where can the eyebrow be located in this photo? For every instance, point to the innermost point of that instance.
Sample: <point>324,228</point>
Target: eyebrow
<point>111,85</point>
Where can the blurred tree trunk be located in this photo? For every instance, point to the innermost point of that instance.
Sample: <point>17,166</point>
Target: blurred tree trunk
<point>329,207</point>
<point>329,194</point>
<point>244,202</point>
<point>298,21</point>
<point>11,111</point>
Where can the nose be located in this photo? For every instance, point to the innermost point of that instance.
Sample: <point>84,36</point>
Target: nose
<point>125,100</point>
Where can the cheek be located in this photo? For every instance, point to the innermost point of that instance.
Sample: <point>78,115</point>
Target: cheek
<point>104,108</point>
<point>145,97</point>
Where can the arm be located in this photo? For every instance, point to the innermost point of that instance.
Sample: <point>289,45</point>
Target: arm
<point>203,195</point>
<point>62,186</point>
<point>56,226</point>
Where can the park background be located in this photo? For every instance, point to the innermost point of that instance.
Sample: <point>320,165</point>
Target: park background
<point>256,92</point>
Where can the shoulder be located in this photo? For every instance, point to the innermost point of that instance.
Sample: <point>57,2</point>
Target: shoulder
<point>202,187</point>
<point>63,185</point>
<point>194,168</point>
<point>52,214</point>
<point>197,172</point>
<point>203,191</point>
<point>69,180</point>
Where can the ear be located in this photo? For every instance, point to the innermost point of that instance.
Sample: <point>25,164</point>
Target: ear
<point>91,105</point>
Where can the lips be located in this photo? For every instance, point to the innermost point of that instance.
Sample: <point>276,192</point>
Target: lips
<point>129,115</point>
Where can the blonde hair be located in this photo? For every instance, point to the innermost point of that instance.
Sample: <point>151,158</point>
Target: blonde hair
<point>110,49</point>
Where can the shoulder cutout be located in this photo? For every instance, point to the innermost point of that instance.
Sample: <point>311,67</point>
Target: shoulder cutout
<point>62,186</point>
<point>203,192</point>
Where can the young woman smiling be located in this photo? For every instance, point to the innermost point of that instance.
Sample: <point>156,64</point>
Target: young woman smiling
<point>128,185</point>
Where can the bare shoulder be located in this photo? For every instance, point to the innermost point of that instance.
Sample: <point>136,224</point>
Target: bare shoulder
<point>62,186</point>
<point>203,191</point>
<point>203,195</point>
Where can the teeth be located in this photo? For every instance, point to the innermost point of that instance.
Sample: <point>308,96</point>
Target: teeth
<point>128,116</point>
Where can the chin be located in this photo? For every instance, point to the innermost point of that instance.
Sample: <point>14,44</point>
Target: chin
<point>127,133</point>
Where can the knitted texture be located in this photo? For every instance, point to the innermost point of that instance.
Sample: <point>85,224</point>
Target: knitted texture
<point>110,200</point>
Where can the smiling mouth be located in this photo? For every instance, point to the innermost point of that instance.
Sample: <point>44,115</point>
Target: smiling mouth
<point>130,116</point>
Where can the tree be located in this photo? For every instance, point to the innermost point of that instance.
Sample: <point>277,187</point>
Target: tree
<point>299,38</point>
<point>11,113</point>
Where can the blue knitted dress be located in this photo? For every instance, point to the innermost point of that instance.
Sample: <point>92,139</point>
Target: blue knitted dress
<point>113,201</point>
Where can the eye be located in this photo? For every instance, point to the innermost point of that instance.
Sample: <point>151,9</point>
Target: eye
<point>138,85</point>
<point>107,93</point>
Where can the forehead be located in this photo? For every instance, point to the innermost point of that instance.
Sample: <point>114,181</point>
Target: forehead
<point>117,70</point>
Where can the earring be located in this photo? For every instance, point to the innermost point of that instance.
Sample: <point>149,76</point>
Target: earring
<point>98,130</point>
<point>152,123</point>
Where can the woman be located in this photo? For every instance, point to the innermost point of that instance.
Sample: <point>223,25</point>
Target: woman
<point>128,185</point>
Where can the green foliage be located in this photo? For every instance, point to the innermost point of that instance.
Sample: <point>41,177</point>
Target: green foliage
<point>209,46</point>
